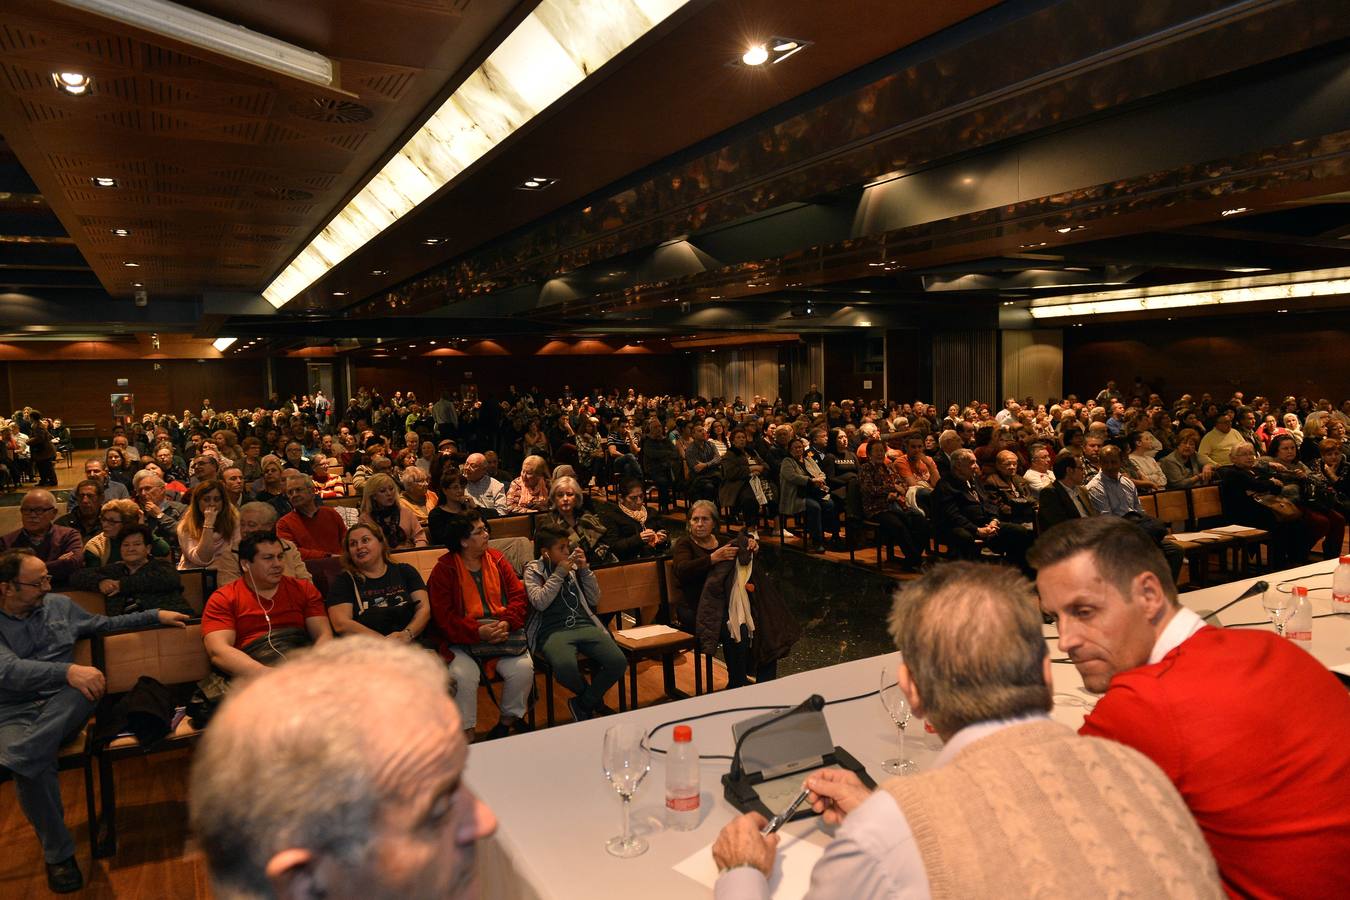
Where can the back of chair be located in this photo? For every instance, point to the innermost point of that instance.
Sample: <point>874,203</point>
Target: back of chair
<point>1173,508</point>
<point>169,655</point>
<point>1149,504</point>
<point>344,502</point>
<point>1206,502</point>
<point>631,586</point>
<point>90,601</point>
<point>513,526</point>
<point>423,559</point>
<point>84,652</point>
<point>194,588</point>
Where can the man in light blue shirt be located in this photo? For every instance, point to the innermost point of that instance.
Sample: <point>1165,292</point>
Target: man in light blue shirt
<point>1114,494</point>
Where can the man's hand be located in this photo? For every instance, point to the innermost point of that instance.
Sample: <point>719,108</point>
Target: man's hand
<point>172,619</point>
<point>835,793</point>
<point>87,680</point>
<point>151,509</point>
<point>741,844</point>
<point>108,586</point>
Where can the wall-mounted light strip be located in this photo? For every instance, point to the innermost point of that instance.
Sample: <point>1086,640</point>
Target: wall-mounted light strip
<point>223,344</point>
<point>551,52</point>
<point>1289,286</point>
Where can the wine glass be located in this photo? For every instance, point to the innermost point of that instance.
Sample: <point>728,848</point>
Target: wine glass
<point>898,708</point>
<point>626,761</point>
<point>1279,606</point>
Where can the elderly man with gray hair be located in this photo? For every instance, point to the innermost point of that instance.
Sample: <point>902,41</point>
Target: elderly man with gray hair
<point>161,513</point>
<point>255,517</point>
<point>346,796</point>
<point>1016,805</point>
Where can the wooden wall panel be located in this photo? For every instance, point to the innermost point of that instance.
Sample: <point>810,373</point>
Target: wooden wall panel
<point>965,367</point>
<point>1270,354</point>
<point>1033,364</point>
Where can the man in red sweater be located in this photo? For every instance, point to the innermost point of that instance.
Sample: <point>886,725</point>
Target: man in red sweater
<point>1253,731</point>
<point>318,531</point>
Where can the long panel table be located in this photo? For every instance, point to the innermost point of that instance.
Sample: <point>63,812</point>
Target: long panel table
<point>556,810</point>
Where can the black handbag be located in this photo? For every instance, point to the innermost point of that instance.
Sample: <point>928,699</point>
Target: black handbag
<point>514,645</point>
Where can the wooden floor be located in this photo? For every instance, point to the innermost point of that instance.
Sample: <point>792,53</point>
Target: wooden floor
<point>157,858</point>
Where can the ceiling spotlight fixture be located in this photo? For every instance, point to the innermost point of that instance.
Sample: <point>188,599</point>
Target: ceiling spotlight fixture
<point>72,82</point>
<point>132,265</point>
<point>772,51</point>
<point>1234,211</point>
<point>537,183</point>
<point>223,344</point>
<point>339,293</point>
<point>1068,228</point>
<point>1282,310</point>
<point>379,271</point>
<point>137,284</point>
<point>121,232</point>
<point>104,181</point>
<point>433,242</point>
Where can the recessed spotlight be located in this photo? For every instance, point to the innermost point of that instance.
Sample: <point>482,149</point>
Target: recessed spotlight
<point>379,271</point>
<point>1234,211</point>
<point>537,183</point>
<point>132,265</point>
<point>339,293</point>
<point>757,55</point>
<point>1282,310</point>
<point>137,284</point>
<point>433,242</point>
<point>72,82</point>
<point>969,179</point>
<point>121,232</point>
<point>1065,230</point>
<point>104,181</point>
<point>433,343</point>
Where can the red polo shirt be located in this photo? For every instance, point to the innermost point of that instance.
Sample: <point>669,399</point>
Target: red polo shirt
<point>1255,734</point>
<point>235,608</point>
<point>315,536</point>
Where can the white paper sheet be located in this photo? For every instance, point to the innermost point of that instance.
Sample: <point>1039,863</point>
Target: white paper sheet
<point>1230,529</point>
<point>1202,537</point>
<point>1342,670</point>
<point>791,872</point>
<point>647,631</point>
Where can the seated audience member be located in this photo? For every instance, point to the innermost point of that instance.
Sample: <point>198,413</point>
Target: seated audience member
<point>563,593</point>
<point>417,497</point>
<point>118,467</point>
<point>60,547</point>
<point>1092,449</point>
<point>989,700</point>
<point>251,622</point>
<point>1040,474</point>
<point>101,549</point>
<point>1142,465</point>
<point>94,470</point>
<point>209,527</point>
<point>1321,513</point>
<point>83,509</point>
<point>317,531</point>
<point>487,493</point>
<point>660,462</point>
<point>965,514</point>
<point>703,463</point>
<point>1268,783</point>
<point>236,489</point>
<point>1009,490</point>
<point>631,529</point>
<point>272,488</point>
<point>917,470</point>
<point>1114,494</point>
<point>883,500</point>
<point>380,508</point>
<point>205,467</point>
<point>257,517</point>
<point>328,481</point>
<point>135,581</point>
<point>801,491</point>
<point>455,501</point>
<point>570,509</point>
<point>1065,498</point>
<point>374,595</point>
<point>1332,472</point>
<point>693,558</point>
<point>162,515</point>
<point>1239,486</point>
<point>742,489</point>
<point>621,452</point>
<point>529,492</point>
<point>395,758</point>
<point>1220,441</point>
<point>45,698</point>
<point>479,607</point>
<point>1185,467</point>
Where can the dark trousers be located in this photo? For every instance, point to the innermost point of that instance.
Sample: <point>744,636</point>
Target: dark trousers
<point>1012,540</point>
<point>740,661</point>
<point>46,471</point>
<point>561,648</point>
<point>907,529</point>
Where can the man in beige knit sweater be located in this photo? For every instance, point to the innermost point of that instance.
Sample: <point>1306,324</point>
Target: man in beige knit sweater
<point>1016,805</point>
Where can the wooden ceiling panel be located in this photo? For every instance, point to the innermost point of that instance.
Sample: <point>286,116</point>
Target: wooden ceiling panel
<point>222,171</point>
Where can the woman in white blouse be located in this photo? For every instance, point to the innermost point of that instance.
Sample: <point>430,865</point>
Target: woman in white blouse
<point>1142,464</point>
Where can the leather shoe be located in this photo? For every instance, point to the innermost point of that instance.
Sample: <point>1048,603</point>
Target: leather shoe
<point>64,877</point>
<point>578,714</point>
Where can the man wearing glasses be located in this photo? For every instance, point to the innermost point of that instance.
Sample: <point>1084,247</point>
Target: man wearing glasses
<point>61,548</point>
<point>45,698</point>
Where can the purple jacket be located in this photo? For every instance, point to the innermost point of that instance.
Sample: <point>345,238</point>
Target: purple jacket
<point>62,549</point>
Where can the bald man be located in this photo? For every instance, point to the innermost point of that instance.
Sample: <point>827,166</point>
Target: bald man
<point>375,803</point>
<point>61,548</point>
<point>486,491</point>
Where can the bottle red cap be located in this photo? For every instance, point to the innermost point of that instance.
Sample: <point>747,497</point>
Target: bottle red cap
<point>1300,591</point>
<point>683,734</point>
<point>1345,559</point>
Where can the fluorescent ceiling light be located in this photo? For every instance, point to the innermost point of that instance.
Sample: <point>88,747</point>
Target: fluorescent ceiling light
<point>552,51</point>
<point>208,33</point>
<point>222,344</point>
<point>1290,286</point>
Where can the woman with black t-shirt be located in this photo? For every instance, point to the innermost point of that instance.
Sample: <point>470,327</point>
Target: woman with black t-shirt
<point>375,595</point>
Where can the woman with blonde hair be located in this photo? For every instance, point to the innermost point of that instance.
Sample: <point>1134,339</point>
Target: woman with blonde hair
<point>380,508</point>
<point>102,549</point>
<point>210,526</point>
<point>529,492</point>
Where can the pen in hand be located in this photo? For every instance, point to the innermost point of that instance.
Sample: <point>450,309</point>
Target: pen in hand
<point>782,818</point>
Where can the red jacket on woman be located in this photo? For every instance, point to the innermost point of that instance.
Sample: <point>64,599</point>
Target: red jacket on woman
<point>453,622</point>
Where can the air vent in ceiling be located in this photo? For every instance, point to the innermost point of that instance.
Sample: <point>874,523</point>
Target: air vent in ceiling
<point>338,112</point>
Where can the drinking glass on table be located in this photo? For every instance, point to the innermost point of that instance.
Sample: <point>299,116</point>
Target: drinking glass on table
<point>626,761</point>
<point>1279,606</point>
<point>898,708</point>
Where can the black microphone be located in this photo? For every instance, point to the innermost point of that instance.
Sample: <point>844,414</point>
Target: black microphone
<point>1258,588</point>
<point>814,703</point>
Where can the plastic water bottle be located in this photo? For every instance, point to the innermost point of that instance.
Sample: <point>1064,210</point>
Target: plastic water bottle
<point>1301,622</point>
<point>682,797</point>
<point>1340,582</point>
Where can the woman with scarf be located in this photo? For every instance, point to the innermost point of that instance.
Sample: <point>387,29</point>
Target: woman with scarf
<point>563,592</point>
<point>381,509</point>
<point>479,607</point>
<point>632,530</point>
<point>569,510</point>
<point>802,491</point>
